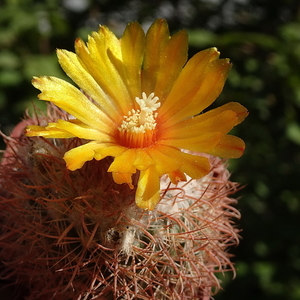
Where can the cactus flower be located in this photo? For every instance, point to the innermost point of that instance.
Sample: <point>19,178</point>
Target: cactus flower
<point>140,102</point>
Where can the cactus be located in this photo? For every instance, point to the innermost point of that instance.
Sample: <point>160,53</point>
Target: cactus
<point>79,235</point>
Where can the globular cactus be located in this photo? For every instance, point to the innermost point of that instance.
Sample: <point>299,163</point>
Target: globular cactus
<point>79,235</point>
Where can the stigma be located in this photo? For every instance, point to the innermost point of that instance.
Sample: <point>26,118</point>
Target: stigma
<point>137,129</point>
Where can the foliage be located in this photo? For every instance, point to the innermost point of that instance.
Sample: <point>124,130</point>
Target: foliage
<point>263,42</point>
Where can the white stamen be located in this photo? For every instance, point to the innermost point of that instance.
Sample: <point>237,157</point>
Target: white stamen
<point>140,120</point>
<point>149,103</point>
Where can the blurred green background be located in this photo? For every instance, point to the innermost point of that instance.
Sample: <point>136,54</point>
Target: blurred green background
<point>262,39</point>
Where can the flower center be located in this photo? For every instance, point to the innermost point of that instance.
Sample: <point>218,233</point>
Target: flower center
<point>138,127</point>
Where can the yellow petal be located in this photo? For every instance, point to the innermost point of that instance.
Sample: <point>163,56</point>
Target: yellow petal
<point>34,130</point>
<point>124,162</point>
<point>195,166</point>
<point>123,178</point>
<point>215,116</point>
<point>109,150</point>
<point>156,38</point>
<point>109,42</point>
<point>81,130</point>
<point>189,98</point>
<point>73,101</point>
<point>75,69</point>
<point>229,147</point>
<point>189,80</point>
<point>202,143</point>
<point>241,111</point>
<point>132,46</point>
<point>143,160</point>
<point>215,76</point>
<point>172,58</point>
<point>177,176</point>
<point>220,121</point>
<point>103,49</point>
<point>148,189</point>
<point>163,53</point>
<point>165,159</point>
<point>76,157</point>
